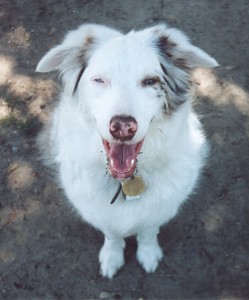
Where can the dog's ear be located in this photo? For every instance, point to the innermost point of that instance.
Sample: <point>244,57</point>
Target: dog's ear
<point>174,46</point>
<point>76,48</point>
<point>55,59</point>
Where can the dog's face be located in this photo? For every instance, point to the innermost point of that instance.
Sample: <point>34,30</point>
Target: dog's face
<point>124,87</point>
<point>126,82</point>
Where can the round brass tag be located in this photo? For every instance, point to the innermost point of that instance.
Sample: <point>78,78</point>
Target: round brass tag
<point>133,186</point>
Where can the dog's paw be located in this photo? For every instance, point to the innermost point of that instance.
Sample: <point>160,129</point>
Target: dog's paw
<point>149,256</point>
<point>111,260</point>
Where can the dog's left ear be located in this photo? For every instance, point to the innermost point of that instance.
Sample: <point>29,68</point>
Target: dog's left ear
<point>173,45</point>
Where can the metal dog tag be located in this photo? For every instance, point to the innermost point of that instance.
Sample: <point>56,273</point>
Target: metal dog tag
<point>133,187</point>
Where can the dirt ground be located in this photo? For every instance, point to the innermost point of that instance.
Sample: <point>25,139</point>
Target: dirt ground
<point>46,251</point>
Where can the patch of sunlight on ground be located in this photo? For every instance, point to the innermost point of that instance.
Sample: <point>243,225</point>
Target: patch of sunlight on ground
<point>33,92</point>
<point>221,93</point>
<point>6,67</point>
<point>20,175</point>
<point>19,37</point>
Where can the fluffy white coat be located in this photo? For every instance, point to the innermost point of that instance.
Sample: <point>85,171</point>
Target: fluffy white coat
<point>105,73</point>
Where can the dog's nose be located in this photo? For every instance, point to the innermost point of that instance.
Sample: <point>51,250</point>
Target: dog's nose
<point>123,127</point>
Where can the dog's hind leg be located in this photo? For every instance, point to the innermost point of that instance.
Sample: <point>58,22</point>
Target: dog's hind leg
<point>149,252</point>
<point>111,256</point>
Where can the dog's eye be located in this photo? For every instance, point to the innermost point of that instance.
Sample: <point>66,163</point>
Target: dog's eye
<point>99,80</point>
<point>150,81</point>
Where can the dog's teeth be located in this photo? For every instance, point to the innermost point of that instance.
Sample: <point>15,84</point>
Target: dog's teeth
<point>132,162</point>
<point>112,163</point>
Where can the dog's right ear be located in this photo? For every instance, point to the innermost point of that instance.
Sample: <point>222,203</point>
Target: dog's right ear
<point>76,48</point>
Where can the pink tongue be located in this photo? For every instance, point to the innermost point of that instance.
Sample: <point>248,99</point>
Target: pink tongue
<point>122,157</point>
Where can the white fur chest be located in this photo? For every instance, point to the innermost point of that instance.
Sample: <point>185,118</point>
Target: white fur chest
<point>91,192</point>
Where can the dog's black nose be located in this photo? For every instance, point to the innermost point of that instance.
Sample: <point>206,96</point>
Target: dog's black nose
<point>123,128</point>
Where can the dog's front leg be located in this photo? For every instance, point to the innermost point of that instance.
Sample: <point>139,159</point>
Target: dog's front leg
<point>149,252</point>
<point>111,256</point>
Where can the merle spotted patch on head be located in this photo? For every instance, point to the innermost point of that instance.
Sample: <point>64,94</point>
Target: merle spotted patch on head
<point>176,83</point>
<point>175,90</point>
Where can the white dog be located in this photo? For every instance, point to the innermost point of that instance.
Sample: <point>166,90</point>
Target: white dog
<point>127,145</point>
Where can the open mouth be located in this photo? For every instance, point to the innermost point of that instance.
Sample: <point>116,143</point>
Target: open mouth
<point>122,158</point>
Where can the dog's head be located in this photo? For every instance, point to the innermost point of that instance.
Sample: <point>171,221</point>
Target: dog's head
<point>126,82</point>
